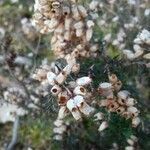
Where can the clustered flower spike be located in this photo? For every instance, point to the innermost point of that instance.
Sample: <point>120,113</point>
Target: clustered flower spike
<point>71,25</point>
<point>141,46</point>
<point>71,96</point>
<point>119,101</point>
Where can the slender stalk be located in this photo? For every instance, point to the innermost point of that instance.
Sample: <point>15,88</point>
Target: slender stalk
<point>14,134</point>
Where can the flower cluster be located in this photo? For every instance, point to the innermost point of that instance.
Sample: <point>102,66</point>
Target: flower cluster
<point>14,95</point>
<point>8,112</point>
<point>71,94</point>
<point>72,27</point>
<point>70,24</point>
<point>119,101</point>
<point>141,46</point>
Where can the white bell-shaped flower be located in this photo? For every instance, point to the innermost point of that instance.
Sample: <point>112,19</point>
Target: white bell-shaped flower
<point>78,100</point>
<point>73,109</point>
<point>61,77</point>
<point>70,60</point>
<point>123,94</point>
<point>94,5</point>
<point>75,13</point>
<point>82,11</point>
<point>90,24</point>
<point>105,89</point>
<point>130,101</point>
<point>146,56</point>
<point>89,34</point>
<point>83,106</point>
<point>67,69</point>
<point>58,137</point>
<point>51,77</point>
<point>79,90</point>
<point>129,148</point>
<point>84,81</point>
<point>75,68</point>
<point>58,122</point>
<point>133,110</point>
<point>135,122</point>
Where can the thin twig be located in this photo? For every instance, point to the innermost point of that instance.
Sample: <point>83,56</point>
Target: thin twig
<point>14,134</point>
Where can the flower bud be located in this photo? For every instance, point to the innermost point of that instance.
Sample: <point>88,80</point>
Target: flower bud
<point>103,126</point>
<point>135,122</point>
<point>60,130</point>
<point>129,148</point>
<point>58,123</point>
<point>79,25</point>
<point>89,34</point>
<point>67,69</point>
<point>113,78</point>
<point>62,112</point>
<point>76,68</point>
<point>130,142</point>
<point>82,11</point>
<point>90,24</point>
<point>147,56</point>
<point>72,84</point>
<point>117,86</point>
<point>79,32</point>
<point>58,137</point>
<point>51,77</point>
<point>75,13</point>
